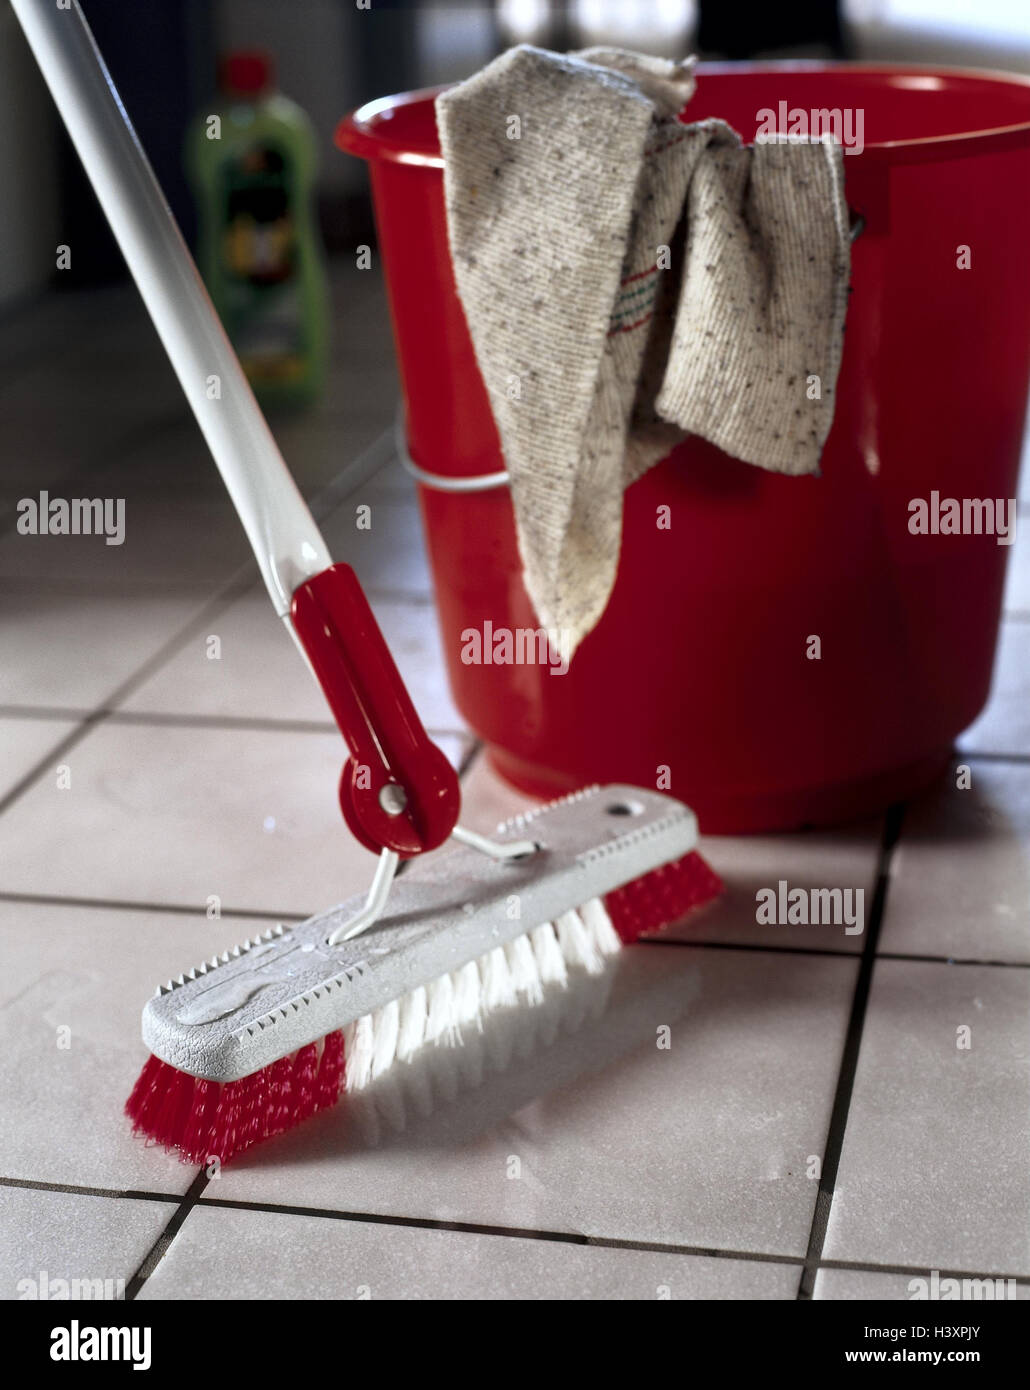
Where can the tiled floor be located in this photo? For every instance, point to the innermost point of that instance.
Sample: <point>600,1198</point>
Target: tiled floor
<point>836,1116</point>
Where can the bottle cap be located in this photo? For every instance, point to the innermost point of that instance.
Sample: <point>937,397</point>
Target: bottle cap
<point>247,72</point>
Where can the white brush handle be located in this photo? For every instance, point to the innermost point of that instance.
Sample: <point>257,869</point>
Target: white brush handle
<point>281,530</point>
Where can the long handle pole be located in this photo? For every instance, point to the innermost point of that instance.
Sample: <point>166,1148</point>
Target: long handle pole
<point>279,526</point>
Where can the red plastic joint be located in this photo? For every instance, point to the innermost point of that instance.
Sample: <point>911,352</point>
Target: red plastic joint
<point>397,791</point>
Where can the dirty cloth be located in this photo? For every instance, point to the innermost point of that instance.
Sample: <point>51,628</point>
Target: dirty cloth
<point>628,279</point>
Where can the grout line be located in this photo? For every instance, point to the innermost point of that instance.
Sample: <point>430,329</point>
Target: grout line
<point>849,1057</point>
<point>711,945</point>
<point>47,761</point>
<point>697,1251</point>
<point>470,756</point>
<point>45,712</point>
<point>715,945</point>
<point>256,723</point>
<point>954,960</point>
<point>372,460</point>
<point>159,719</point>
<point>485,1229</point>
<point>459,1227</point>
<point>77,1190</point>
<point>161,1246</point>
<point>863,1267</point>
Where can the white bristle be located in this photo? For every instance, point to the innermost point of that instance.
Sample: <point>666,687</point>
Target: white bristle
<point>599,924</point>
<point>577,944</point>
<point>498,986</point>
<point>468,1023</point>
<point>440,1020</point>
<point>414,1016</point>
<point>451,1016</point>
<point>549,959</point>
<point>386,1029</point>
<point>525,972</point>
<point>358,1051</point>
<point>468,994</point>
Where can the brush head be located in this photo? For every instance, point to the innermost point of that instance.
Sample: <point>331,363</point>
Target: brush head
<point>257,1040</point>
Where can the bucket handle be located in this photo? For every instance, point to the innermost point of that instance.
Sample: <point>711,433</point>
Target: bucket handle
<point>486,482</point>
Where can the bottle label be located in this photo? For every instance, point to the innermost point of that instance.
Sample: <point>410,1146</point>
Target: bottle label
<point>260,257</point>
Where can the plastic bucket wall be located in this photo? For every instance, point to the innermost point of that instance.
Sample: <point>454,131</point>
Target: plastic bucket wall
<point>700,665</point>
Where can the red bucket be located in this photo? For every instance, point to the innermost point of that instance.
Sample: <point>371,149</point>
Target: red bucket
<point>702,677</point>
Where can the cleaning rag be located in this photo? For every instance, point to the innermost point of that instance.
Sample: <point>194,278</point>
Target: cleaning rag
<point>628,279</point>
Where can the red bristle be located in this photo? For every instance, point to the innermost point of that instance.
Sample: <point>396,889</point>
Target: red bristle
<point>278,1102</point>
<point>662,897</point>
<point>330,1072</point>
<point>172,1120</point>
<point>197,1137</point>
<point>225,1124</point>
<point>305,1073</point>
<point>160,1110</point>
<point>205,1120</point>
<point>146,1094</point>
<point>254,1111</point>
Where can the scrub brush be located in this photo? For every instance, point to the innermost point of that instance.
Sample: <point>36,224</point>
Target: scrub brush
<point>256,1040</point>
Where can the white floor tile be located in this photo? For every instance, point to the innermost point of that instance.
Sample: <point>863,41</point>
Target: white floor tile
<point>933,1171</point>
<point>172,815</point>
<point>862,1286</point>
<point>960,876</point>
<point>221,1253</point>
<point>73,986</point>
<point>24,743</point>
<point>389,555</point>
<point>75,650</point>
<point>55,1236</point>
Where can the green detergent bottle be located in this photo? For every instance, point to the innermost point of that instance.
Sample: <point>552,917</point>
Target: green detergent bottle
<point>252,162</point>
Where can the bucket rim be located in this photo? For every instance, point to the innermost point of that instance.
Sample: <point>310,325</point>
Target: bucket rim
<point>361,131</point>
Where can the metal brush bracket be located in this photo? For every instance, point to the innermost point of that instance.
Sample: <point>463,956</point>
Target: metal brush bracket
<point>486,482</point>
<point>389,863</point>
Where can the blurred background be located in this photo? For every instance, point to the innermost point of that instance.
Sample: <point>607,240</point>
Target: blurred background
<point>332,55</point>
